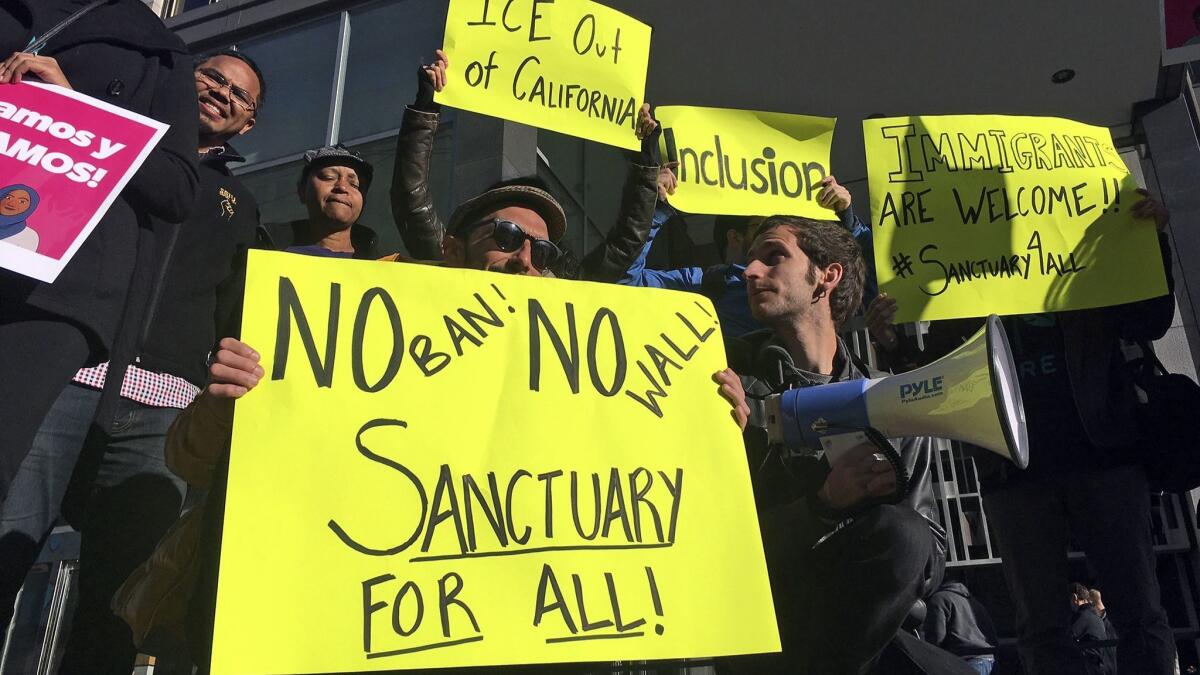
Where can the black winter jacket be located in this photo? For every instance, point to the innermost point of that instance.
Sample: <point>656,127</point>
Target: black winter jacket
<point>201,288</point>
<point>120,53</point>
<point>957,623</point>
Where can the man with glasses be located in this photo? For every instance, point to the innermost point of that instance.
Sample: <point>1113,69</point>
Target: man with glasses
<point>109,425</point>
<point>512,227</point>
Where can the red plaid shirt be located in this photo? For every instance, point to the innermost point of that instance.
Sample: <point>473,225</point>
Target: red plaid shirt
<point>157,390</point>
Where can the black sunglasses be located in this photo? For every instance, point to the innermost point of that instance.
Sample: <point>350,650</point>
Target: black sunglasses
<point>509,237</point>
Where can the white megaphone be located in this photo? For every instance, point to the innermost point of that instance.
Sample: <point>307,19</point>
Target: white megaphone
<point>971,395</point>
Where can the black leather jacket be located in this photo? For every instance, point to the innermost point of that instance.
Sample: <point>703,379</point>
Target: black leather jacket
<point>786,482</point>
<point>422,230</point>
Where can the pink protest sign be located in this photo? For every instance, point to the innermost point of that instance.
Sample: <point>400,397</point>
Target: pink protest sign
<point>64,158</point>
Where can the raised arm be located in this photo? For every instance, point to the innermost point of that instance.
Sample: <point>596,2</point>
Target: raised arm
<point>611,258</point>
<point>412,206</point>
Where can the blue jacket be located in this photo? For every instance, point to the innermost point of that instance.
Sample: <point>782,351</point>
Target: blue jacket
<point>730,301</point>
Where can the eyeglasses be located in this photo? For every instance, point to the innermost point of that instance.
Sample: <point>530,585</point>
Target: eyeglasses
<point>509,237</point>
<point>215,80</point>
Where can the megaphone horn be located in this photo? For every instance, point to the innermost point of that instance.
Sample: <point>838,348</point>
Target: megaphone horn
<point>971,395</point>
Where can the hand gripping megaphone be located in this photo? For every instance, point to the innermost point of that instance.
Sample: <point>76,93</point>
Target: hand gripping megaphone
<point>972,395</point>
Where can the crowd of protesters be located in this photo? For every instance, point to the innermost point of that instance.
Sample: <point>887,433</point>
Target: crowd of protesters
<point>117,383</point>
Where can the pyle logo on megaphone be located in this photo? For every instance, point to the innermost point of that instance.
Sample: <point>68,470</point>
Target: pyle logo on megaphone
<point>971,395</point>
<point>921,389</point>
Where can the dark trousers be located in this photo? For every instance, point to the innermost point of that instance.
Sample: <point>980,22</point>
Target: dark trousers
<point>129,500</point>
<point>839,604</point>
<point>39,354</point>
<point>1108,512</point>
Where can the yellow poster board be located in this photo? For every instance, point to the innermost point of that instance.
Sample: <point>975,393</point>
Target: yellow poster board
<point>450,468</point>
<point>982,214</point>
<point>745,162</point>
<point>571,66</point>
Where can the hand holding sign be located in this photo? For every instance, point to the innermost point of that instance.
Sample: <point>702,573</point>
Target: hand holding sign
<point>44,68</point>
<point>572,66</point>
<point>1152,209</point>
<point>749,163</point>
<point>234,370</point>
<point>69,155</point>
<point>833,196</point>
<point>1008,215</point>
<point>435,73</point>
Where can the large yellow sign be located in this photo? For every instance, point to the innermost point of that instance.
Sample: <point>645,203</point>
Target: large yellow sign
<point>572,66</point>
<point>448,468</point>
<point>981,214</point>
<point>746,163</point>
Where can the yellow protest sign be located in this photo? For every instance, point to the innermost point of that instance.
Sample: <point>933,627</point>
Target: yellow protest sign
<point>981,214</point>
<point>745,162</point>
<point>572,66</point>
<point>448,468</point>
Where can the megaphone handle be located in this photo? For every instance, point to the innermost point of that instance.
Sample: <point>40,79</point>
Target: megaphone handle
<point>886,449</point>
<point>903,480</point>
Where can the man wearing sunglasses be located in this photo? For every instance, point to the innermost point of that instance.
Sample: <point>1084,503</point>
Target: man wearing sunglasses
<point>98,456</point>
<point>512,227</point>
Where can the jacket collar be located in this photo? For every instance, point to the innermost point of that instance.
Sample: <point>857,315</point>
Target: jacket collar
<point>771,363</point>
<point>221,156</point>
<point>278,236</point>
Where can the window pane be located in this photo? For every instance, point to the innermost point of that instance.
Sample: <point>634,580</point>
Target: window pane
<point>604,169</point>
<point>275,191</point>
<point>298,66</point>
<point>387,43</point>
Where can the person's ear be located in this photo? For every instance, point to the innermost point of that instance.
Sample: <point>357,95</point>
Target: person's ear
<point>248,125</point>
<point>454,251</point>
<point>829,279</point>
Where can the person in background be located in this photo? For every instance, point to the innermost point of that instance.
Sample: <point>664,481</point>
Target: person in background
<point>332,186</point>
<point>1087,628</point>
<point>1110,633</point>
<point>958,623</point>
<point>724,283</point>
<point>1084,479</point>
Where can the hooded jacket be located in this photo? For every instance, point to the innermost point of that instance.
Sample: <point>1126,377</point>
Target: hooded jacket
<point>957,623</point>
<point>121,53</point>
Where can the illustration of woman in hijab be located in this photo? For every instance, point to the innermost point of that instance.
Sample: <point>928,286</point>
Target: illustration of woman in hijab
<point>17,203</point>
